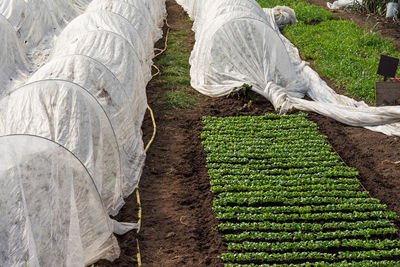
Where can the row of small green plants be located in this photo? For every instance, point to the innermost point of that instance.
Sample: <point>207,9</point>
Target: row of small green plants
<point>339,50</point>
<point>283,196</point>
<point>364,263</point>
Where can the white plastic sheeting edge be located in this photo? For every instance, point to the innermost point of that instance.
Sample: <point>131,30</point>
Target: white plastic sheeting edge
<point>234,48</point>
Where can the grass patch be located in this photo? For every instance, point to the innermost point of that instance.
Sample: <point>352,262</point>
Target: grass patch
<point>179,100</point>
<point>305,11</point>
<point>344,53</point>
<point>175,73</point>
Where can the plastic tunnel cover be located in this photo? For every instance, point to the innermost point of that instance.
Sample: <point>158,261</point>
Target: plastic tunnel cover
<point>234,51</point>
<point>108,21</point>
<point>157,9</point>
<point>139,18</point>
<point>125,108</point>
<point>50,211</point>
<point>110,49</point>
<point>67,114</point>
<point>12,55</point>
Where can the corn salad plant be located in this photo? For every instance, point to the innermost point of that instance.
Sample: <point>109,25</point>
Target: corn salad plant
<point>284,198</point>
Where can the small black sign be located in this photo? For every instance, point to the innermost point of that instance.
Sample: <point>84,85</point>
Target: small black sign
<point>388,66</point>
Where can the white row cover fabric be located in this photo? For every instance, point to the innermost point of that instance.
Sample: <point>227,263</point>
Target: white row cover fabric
<point>12,55</point>
<point>34,19</point>
<point>109,48</point>
<point>50,211</point>
<point>218,8</point>
<point>124,106</point>
<point>31,19</point>
<point>237,47</point>
<point>283,16</point>
<point>140,18</point>
<point>83,112</point>
<point>219,64</point>
<point>107,21</point>
<point>157,9</point>
<point>338,4</point>
<point>67,114</point>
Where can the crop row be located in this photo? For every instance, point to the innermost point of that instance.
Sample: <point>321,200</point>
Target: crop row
<point>259,158</point>
<point>315,256</point>
<point>259,126</point>
<point>301,209</point>
<point>268,187</point>
<point>224,144</point>
<point>304,227</point>
<point>301,236</point>
<point>260,140</point>
<point>319,245</point>
<point>335,171</point>
<point>276,165</point>
<point>270,152</point>
<point>326,216</point>
<point>275,162</point>
<point>252,201</point>
<point>345,263</point>
<point>284,180</point>
<point>294,194</point>
<point>283,134</point>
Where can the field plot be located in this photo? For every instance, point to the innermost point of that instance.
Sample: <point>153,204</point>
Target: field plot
<point>283,196</point>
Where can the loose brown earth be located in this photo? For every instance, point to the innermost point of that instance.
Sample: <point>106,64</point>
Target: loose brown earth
<point>178,221</point>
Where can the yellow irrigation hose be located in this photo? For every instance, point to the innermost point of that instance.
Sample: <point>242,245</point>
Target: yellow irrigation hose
<point>165,43</point>
<point>162,51</point>
<point>138,255</point>
<point>158,70</point>
<point>154,129</point>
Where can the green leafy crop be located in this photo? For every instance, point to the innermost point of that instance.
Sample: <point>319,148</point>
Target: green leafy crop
<point>282,196</point>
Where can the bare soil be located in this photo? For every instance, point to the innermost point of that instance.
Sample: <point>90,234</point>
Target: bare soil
<point>178,221</point>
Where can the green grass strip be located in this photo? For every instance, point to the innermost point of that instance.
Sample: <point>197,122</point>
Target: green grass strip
<point>175,73</point>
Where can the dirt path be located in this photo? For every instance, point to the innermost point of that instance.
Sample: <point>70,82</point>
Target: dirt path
<point>178,221</point>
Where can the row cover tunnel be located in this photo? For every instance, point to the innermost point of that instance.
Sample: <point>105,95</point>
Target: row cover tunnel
<point>71,137</point>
